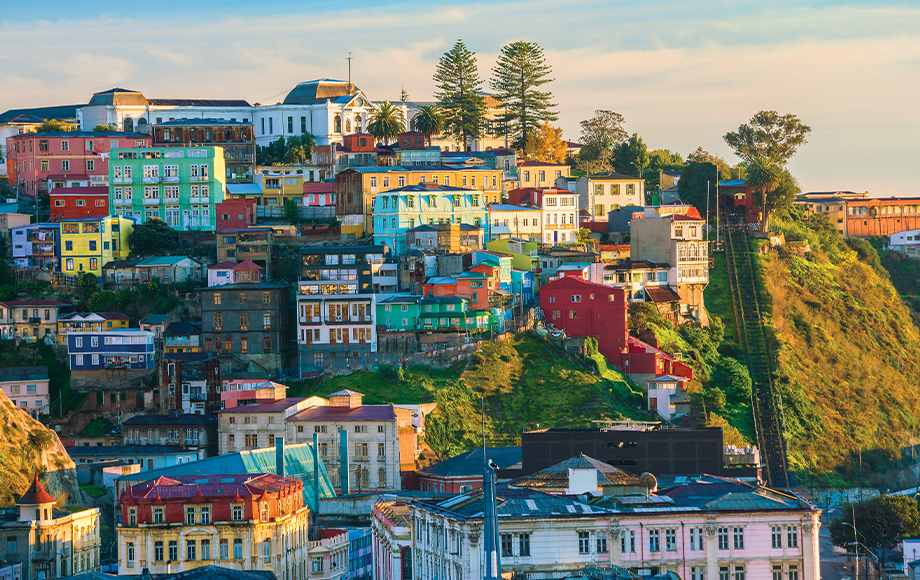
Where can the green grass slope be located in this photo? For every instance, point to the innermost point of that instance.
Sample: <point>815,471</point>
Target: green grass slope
<point>525,382</point>
<point>845,349</point>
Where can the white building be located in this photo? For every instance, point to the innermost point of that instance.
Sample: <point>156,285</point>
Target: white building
<point>906,242</point>
<point>560,216</point>
<point>515,221</point>
<point>326,108</point>
<point>605,192</point>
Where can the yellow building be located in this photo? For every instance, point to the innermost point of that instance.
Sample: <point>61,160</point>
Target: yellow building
<point>87,244</point>
<point>541,173</point>
<point>280,183</point>
<point>90,322</point>
<point>356,188</point>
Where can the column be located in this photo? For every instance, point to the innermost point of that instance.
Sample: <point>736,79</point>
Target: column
<point>810,549</point>
<point>613,542</point>
<point>712,562</point>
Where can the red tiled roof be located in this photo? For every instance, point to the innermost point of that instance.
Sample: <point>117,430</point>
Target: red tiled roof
<point>36,494</point>
<point>18,303</point>
<point>362,413</point>
<point>247,265</point>
<point>268,407</point>
<point>322,187</point>
<point>201,487</point>
<point>88,190</point>
<point>662,294</point>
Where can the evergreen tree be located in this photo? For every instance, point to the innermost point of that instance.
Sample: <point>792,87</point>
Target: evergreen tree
<point>459,93</point>
<point>520,71</point>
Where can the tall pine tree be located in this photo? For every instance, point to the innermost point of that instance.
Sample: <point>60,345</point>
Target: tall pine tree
<point>520,71</point>
<point>459,93</point>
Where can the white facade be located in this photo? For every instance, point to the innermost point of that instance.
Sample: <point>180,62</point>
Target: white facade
<point>906,242</point>
<point>560,217</point>
<point>604,192</point>
<point>513,221</point>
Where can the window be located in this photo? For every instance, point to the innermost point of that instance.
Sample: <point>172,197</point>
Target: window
<point>218,298</point>
<point>190,516</point>
<point>205,549</point>
<point>237,549</point>
<point>90,164</point>
<point>319,428</point>
<point>132,517</point>
<point>738,537</point>
<point>237,514</point>
<point>266,298</point>
<point>670,540</point>
<point>524,545</point>
<point>130,551</point>
<point>723,538</point>
<point>173,551</point>
<point>190,550</point>
<point>776,535</point>
<point>360,428</point>
<point>158,551</point>
<point>506,543</point>
<point>584,546</point>
<point>224,550</point>
<point>792,537</point>
<point>318,561</point>
<point>599,210</point>
<point>218,321</point>
<point>696,539</point>
<point>601,544</point>
<point>267,552</point>
<point>793,572</point>
<point>696,573</point>
<point>654,540</point>
<point>205,516</point>
<point>65,145</point>
<point>723,573</point>
<point>158,515</point>
<point>576,297</point>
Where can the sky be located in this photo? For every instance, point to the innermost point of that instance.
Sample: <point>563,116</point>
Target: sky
<point>681,73</point>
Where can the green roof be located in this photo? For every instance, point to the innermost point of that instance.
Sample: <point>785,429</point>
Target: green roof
<point>162,261</point>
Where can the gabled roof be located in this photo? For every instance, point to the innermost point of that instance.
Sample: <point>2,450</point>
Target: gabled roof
<point>155,319</point>
<point>318,91</point>
<point>163,260</point>
<point>471,463</point>
<point>39,114</point>
<point>33,373</point>
<point>662,294</point>
<point>92,316</point>
<point>267,407</point>
<point>557,476</point>
<point>345,393</point>
<point>330,413</point>
<point>182,328</point>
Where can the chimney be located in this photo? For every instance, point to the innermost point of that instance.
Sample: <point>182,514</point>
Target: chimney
<point>279,456</point>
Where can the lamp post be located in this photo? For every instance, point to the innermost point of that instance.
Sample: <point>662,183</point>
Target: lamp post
<point>856,545</point>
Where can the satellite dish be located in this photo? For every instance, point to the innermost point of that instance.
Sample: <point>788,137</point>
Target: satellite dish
<point>649,482</point>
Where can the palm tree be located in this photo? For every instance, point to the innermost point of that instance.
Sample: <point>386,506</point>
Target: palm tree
<point>387,121</point>
<point>429,121</point>
<point>763,177</point>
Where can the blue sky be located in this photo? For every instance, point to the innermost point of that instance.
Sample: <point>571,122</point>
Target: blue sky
<point>682,73</point>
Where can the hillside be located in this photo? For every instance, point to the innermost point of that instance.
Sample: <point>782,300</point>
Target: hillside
<point>527,384</point>
<point>26,446</point>
<point>845,352</point>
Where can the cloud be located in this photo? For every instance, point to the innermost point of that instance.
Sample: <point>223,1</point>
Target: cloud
<point>682,73</point>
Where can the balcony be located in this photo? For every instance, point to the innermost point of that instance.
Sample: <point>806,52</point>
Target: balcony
<point>171,179</point>
<point>362,458</point>
<point>199,178</point>
<point>199,199</point>
<point>151,201</point>
<point>126,201</point>
<point>152,179</point>
<point>122,179</point>
<point>196,397</point>
<point>35,320</point>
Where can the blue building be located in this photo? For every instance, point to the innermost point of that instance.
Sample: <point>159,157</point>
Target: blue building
<point>360,554</point>
<point>402,209</point>
<point>523,284</point>
<point>128,349</point>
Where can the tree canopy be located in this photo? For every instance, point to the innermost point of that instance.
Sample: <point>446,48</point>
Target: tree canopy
<point>880,522</point>
<point>459,93</point>
<point>773,187</point>
<point>599,136</point>
<point>703,156</point>
<point>55,126</point>
<point>693,183</point>
<point>153,237</point>
<point>545,144</point>
<point>387,121</point>
<point>631,156</point>
<point>429,121</point>
<point>768,134</point>
<point>106,128</point>
<point>518,74</point>
<point>295,150</point>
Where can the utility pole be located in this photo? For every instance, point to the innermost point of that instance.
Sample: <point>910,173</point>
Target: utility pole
<point>855,546</point>
<point>349,71</point>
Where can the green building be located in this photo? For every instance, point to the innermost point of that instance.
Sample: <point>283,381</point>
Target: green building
<point>525,255</point>
<point>179,185</point>
<point>453,313</point>
<point>398,313</point>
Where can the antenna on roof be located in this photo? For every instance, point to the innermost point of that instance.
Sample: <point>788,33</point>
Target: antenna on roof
<point>349,71</point>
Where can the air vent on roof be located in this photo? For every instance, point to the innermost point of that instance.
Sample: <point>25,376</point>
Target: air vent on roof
<point>531,504</point>
<point>571,509</point>
<point>227,480</point>
<point>202,480</point>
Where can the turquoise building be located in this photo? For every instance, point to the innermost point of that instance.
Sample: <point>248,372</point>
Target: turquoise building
<point>398,313</point>
<point>399,210</point>
<point>179,185</point>
<point>453,313</point>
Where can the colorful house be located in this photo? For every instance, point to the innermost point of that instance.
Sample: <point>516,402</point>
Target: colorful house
<point>90,322</point>
<point>78,202</point>
<point>129,349</point>
<point>454,313</point>
<point>398,313</point>
<point>399,210</point>
<point>89,243</point>
<point>231,272</point>
<point>35,245</point>
<point>525,255</point>
<point>178,185</point>
<point>523,284</point>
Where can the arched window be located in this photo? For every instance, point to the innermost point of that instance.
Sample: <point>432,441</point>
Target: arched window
<point>141,122</point>
<point>337,124</point>
<point>128,125</point>
<point>348,125</point>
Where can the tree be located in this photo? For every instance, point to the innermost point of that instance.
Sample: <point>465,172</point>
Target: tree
<point>54,126</point>
<point>882,521</point>
<point>429,121</point>
<point>599,135</point>
<point>631,156</point>
<point>106,128</point>
<point>520,71</point>
<point>763,176</point>
<point>153,237</point>
<point>403,95</point>
<point>733,378</point>
<point>387,121</point>
<point>694,180</point>
<point>298,150</point>
<point>768,134</point>
<point>459,93</point>
<point>545,144</point>
<point>703,156</point>
<point>87,284</point>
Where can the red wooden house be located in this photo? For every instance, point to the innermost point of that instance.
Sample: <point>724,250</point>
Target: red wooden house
<point>78,202</point>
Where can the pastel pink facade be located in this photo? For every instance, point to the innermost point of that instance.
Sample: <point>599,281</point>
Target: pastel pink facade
<point>318,194</point>
<point>236,392</point>
<point>37,162</point>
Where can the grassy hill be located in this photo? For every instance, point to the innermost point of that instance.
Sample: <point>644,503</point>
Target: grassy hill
<point>526,383</point>
<point>845,352</point>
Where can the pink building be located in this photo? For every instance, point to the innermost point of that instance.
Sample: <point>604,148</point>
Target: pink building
<point>230,272</point>
<point>236,392</point>
<point>27,388</point>
<point>38,162</point>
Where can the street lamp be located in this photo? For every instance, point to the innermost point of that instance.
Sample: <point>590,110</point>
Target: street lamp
<point>856,545</point>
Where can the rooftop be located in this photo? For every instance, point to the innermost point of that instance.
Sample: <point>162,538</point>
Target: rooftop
<point>186,419</point>
<point>93,316</point>
<point>471,463</point>
<point>36,494</point>
<point>105,450</point>
<point>155,319</point>
<point>202,122</point>
<point>557,476</point>
<point>318,91</point>
<point>612,175</point>
<point>330,413</point>
<point>33,373</point>
<point>513,503</point>
<point>216,486</point>
<point>266,407</point>
<point>509,207</point>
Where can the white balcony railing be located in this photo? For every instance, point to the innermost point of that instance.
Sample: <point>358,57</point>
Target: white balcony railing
<point>152,179</point>
<point>123,201</point>
<point>171,179</point>
<point>199,178</point>
<point>151,201</point>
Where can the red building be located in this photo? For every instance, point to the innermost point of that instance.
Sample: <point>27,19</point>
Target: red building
<point>480,289</point>
<point>736,197</point>
<point>532,195</point>
<point>411,139</point>
<point>78,202</point>
<point>38,162</point>
<point>319,194</point>
<point>236,213</point>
